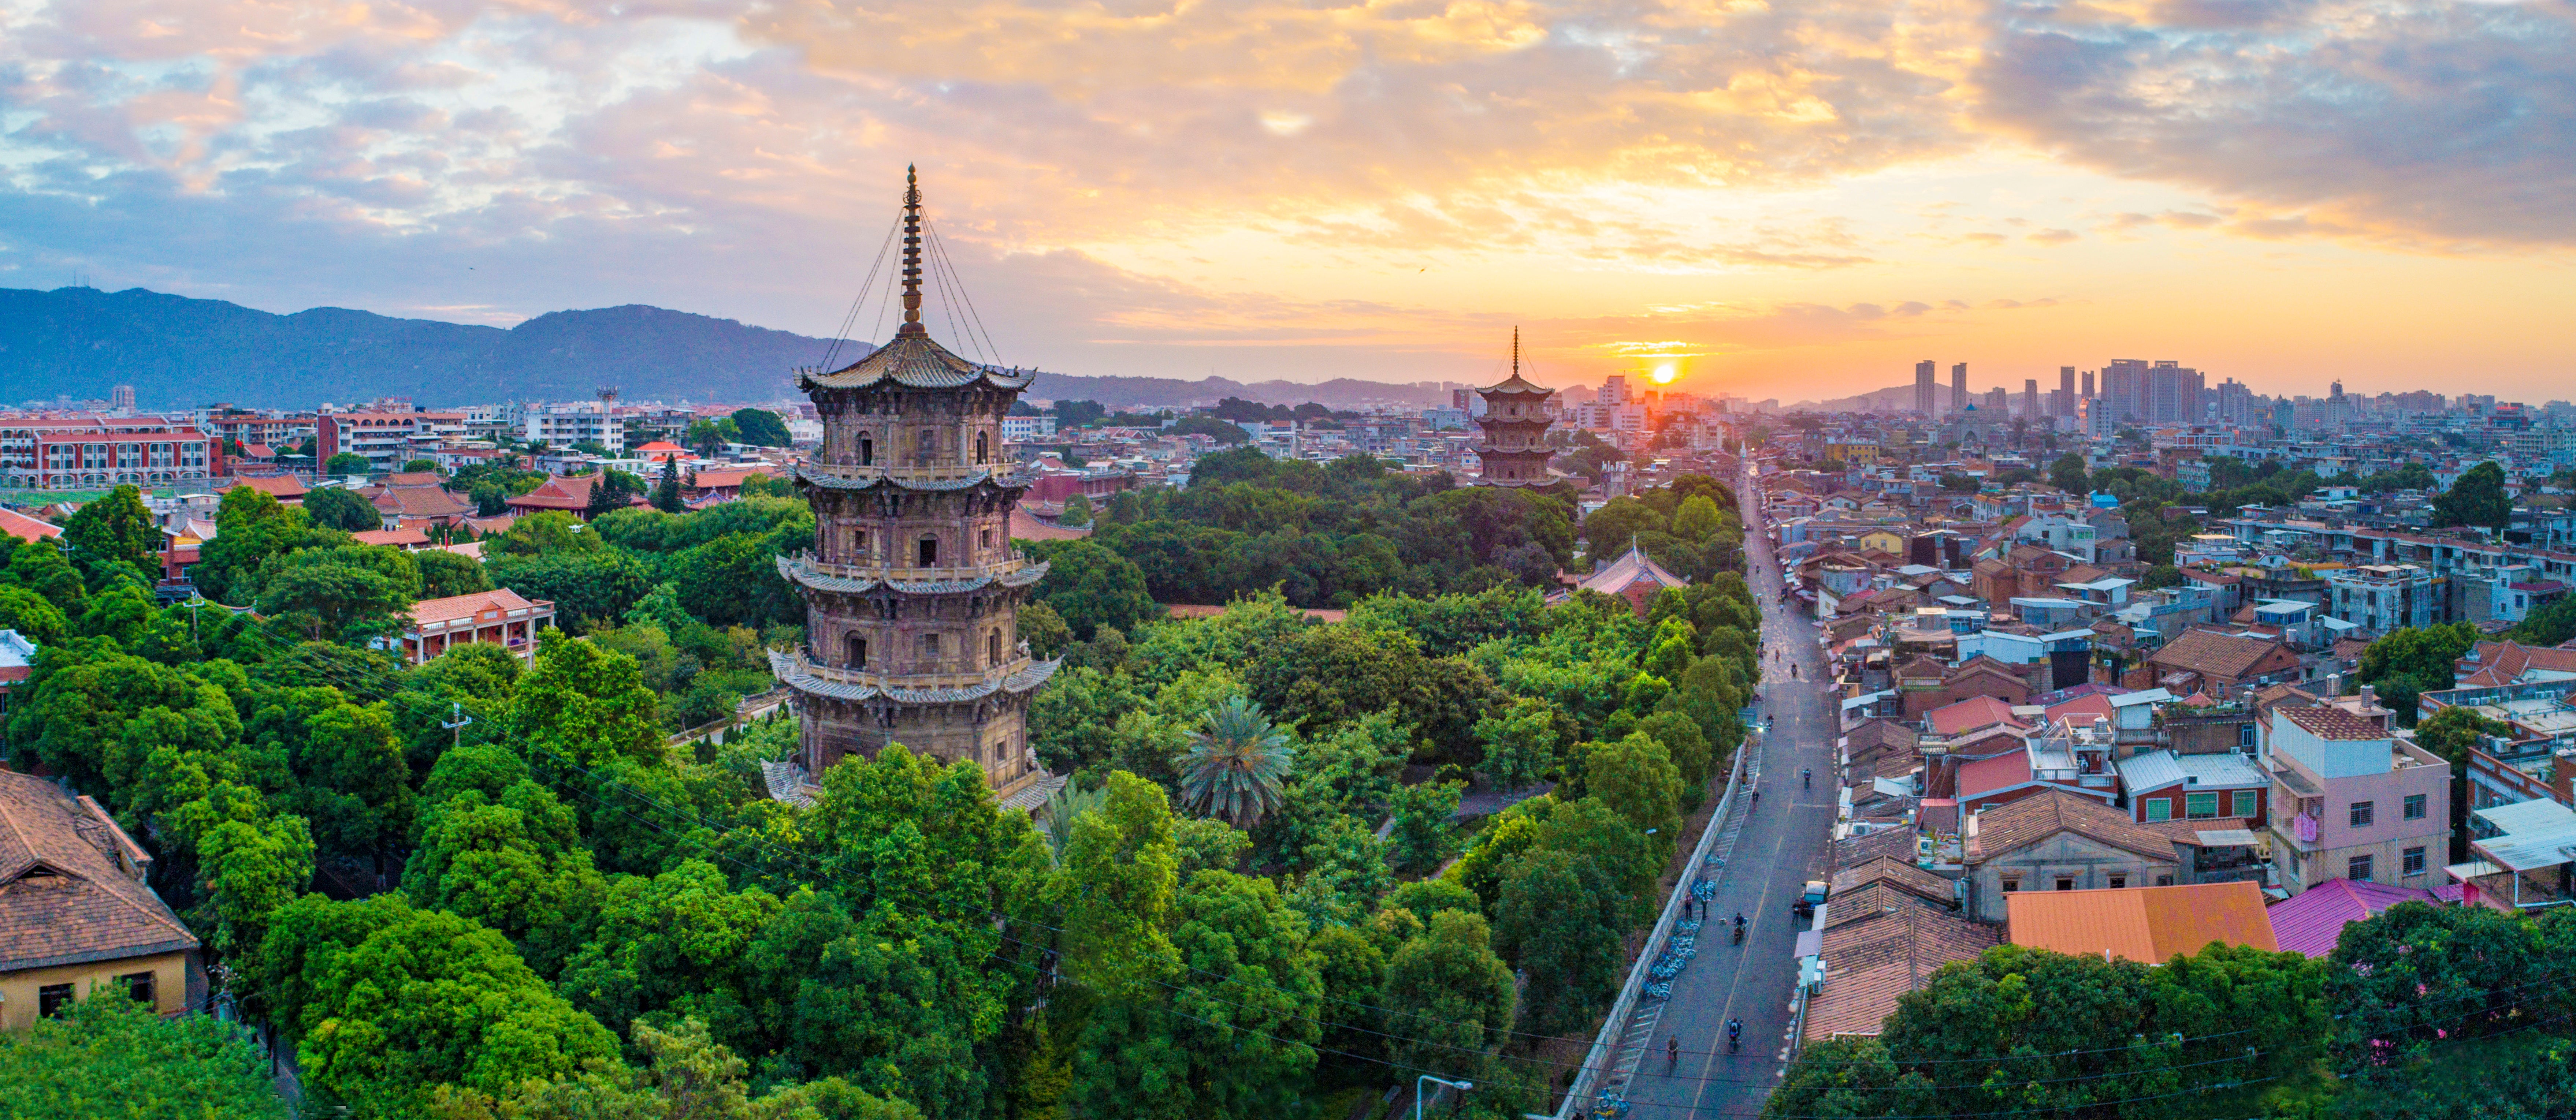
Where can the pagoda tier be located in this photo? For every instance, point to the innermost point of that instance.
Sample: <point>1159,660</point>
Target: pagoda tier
<point>912,589</point>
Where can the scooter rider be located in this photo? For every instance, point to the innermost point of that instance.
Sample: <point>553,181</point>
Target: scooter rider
<point>1734,1034</point>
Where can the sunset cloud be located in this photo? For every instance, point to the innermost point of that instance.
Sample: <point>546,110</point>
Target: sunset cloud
<point>1130,185</point>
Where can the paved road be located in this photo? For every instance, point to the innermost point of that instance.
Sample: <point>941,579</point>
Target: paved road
<point>1782,845</point>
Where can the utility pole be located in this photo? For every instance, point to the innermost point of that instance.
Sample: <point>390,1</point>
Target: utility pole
<point>458,726</point>
<point>1461,1086</point>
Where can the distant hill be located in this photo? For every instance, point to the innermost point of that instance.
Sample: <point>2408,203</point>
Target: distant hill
<point>1891,399</point>
<point>179,352</point>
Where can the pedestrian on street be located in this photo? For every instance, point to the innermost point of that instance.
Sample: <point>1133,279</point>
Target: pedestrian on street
<point>1672,1055</point>
<point>1806,779</point>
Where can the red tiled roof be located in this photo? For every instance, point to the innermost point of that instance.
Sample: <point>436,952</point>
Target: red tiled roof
<point>394,538</point>
<point>23,527</point>
<point>454,607</point>
<point>1879,944</point>
<point>2005,828</point>
<point>63,896</point>
<point>1969,714</point>
<point>283,487</point>
<point>2212,654</point>
<point>2333,723</point>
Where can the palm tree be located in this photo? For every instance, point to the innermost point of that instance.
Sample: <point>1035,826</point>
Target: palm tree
<point>1235,766</point>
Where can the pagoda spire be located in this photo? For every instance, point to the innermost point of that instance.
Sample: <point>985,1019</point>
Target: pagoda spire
<point>1516,350</point>
<point>911,252</point>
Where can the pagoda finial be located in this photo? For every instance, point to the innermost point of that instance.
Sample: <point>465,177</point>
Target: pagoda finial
<point>1516,350</point>
<point>911,252</point>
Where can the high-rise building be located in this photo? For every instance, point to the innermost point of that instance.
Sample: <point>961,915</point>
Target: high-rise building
<point>120,400</point>
<point>912,588</point>
<point>1514,451</point>
<point>2030,398</point>
<point>2088,384</point>
<point>1924,371</point>
<point>2135,391</point>
<point>2064,403</point>
<point>1958,386</point>
<point>1614,388</point>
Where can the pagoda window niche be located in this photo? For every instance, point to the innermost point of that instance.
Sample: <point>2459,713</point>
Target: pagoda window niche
<point>993,650</point>
<point>929,551</point>
<point>983,448</point>
<point>858,651</point>
<point>867,450</point>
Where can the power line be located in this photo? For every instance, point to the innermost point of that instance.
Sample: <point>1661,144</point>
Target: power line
<point>851,319</point>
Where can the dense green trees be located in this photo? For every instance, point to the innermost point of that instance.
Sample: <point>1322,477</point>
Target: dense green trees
<point>2413,660</point>
<point>112,1057</point>
<point>2477,499</point>
<point>336,508</point>
<point>116,529</point>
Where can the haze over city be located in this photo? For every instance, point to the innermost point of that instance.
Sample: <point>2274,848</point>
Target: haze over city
<point>1793,201</point>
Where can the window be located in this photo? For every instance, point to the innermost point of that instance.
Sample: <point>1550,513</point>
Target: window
<point>2414,806</point>
<point>927,646</point>
<point>2362,811</point>
<point>928,447</point>
<point>51,998</point>
<point>2414,864</point>
<point>2065,884</point>
<point>2012,885</point>
<point>2164,880</point>
<point>983,448</point>
<point>929,552</point>
<point>858,650</point>
<point>2358,867</point>
<point>2245,736</point>
<point>993,649</point>
<point>2241,803</point>
<point>138,985</point>
<point>2159,808</point>
<point>984,539</point>
<point>2200,806</point>
<point>2119,881</point>
<point>867,451</point>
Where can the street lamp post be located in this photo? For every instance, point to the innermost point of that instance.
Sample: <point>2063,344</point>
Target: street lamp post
<point>1461,1086</point>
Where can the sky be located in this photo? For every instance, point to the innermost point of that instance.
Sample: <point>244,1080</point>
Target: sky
<point>1770,199</point>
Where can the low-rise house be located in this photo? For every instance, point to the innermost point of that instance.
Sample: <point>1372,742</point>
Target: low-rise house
<point>2151,925</point>
<point>1877,943</point>
<point>1635,577</point>
<point>2063,841</point>
<point>500,616</point>
<point>2524,857</point>
<point>2350,800</point>
<point>75,914</point>
<point>2162,786</point>
<point>2217,663</point>
<point>2493,664</point>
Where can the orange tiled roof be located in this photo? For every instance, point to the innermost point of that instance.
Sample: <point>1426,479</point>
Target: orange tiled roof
<point>2147,924</point>
<point>2212,654</point>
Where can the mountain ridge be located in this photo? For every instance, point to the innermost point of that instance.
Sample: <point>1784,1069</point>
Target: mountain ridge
<point>177,351</point>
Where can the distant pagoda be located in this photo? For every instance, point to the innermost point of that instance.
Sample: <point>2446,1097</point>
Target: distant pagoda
<point>1515,423</point>
<point>912,589</point>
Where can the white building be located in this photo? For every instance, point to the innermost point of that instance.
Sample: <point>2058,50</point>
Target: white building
<point>565,423</point>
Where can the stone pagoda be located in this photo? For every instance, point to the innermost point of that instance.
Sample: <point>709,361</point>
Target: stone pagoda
<point>912,589</point>
<point>1515,423</point>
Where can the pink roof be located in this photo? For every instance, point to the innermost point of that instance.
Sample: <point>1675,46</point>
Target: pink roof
<point>392,537</point>
<point>660,447</point>
<point>2313,920</point>
<point>23,527</point>
<point>1628,570</point>
<point>1986,775</point>
<point>1973,712</point>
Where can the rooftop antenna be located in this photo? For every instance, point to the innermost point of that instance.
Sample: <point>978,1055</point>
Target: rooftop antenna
<point>607,395</point>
